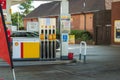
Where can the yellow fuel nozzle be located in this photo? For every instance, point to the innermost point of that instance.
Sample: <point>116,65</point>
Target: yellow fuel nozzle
<point>54,36</point>
<point>42,36</point>
<point>50,37</point>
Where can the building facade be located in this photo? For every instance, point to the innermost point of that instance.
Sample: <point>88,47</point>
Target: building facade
<point>95,17</point>
<point>115,37</point>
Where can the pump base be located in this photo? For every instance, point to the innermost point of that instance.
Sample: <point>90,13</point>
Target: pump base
<point>64,57</point>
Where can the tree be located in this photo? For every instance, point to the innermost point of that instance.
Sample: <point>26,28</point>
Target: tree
<point>14,19</point>
<point>26,7</point>
<point>17,19</point>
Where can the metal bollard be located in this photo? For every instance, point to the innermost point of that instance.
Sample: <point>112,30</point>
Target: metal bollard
<point>84,55</point>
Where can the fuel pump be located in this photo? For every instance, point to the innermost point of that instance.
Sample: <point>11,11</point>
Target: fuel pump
<point>47,33</point>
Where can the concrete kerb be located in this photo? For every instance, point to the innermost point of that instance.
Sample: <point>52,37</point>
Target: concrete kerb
<point>31,63</point>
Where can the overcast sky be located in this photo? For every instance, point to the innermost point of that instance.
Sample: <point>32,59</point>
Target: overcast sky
<point>35,4</point>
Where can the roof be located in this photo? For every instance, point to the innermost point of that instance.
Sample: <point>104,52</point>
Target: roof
<point>75,7</point>
<point>48,9</point>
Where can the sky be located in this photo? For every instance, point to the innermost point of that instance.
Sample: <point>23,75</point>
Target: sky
<point>35,4</point>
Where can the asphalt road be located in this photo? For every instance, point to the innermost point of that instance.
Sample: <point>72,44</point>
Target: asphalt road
<point>103,63</point>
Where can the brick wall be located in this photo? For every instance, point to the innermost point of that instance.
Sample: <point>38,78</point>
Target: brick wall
<point>31,20</point>
<point>75,23</point>
<point>89,23</point>
<point>78,22</point>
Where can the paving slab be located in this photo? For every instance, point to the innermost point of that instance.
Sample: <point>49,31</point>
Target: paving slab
<point>103,63</point>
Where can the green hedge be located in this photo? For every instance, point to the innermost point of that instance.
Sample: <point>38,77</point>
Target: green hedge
<point>81,35</point>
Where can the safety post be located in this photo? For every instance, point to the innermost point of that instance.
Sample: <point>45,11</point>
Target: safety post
<point>84,54</point>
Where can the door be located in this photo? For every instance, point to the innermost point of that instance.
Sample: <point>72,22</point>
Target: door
<point>102,27</point>
<point>103,35</point>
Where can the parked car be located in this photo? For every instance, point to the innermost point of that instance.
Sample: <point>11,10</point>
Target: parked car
<point>30,34</point>
<point>23,34</point>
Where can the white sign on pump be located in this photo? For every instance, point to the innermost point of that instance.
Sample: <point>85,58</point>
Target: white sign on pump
<point>64,38</point>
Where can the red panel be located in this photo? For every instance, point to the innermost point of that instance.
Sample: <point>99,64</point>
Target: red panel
<point>21,50</point>
<point>4,48</point>
<point>3,4</point>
